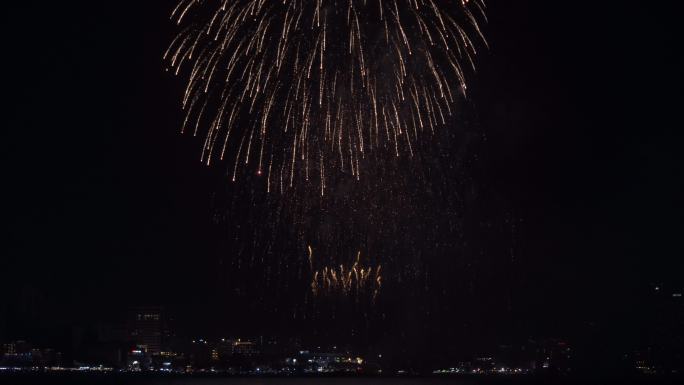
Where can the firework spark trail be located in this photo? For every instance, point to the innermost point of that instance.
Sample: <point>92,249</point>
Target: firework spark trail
<point>354,280</point>
<point>312,84</point>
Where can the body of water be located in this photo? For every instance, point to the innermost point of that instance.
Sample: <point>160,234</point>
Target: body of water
<point>114,379</point>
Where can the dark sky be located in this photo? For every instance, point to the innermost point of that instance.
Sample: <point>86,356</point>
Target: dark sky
<point>106,205</point>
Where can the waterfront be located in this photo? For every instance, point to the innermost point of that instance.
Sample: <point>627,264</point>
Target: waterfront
<point>111,379</point>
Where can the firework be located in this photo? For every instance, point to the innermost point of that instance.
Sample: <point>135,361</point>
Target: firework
<point>296,89</point>
<point>350,281</point>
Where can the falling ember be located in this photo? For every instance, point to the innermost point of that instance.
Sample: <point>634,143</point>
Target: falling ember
<point>350,281</point>
<point>313,85</point>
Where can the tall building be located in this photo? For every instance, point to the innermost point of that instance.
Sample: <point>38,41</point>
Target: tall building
<point>9,349</point>
<point>145,328</point>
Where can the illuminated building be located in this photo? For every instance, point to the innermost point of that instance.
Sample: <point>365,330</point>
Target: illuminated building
<point>9,349</point>
<point>245,348</point>
<point>145,326</point>
<point>326,362</point>
<point>23,354</point>
<point>553,356</point>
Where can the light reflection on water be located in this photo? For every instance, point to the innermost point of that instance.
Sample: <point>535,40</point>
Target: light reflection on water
<point>319,381</point>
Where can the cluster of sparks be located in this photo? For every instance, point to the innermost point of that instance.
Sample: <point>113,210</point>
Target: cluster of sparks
<point>298,89</point>
<point>353,280</point>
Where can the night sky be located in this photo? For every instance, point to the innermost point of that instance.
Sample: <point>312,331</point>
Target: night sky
<point>575,179</point>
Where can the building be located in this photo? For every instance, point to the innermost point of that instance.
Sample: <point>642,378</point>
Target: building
<point>325,362</point>
<point>145,328</point>
<point>244,348</point>
<point>553,355</point>
<point>23,354</point>
<point>9,349</point>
